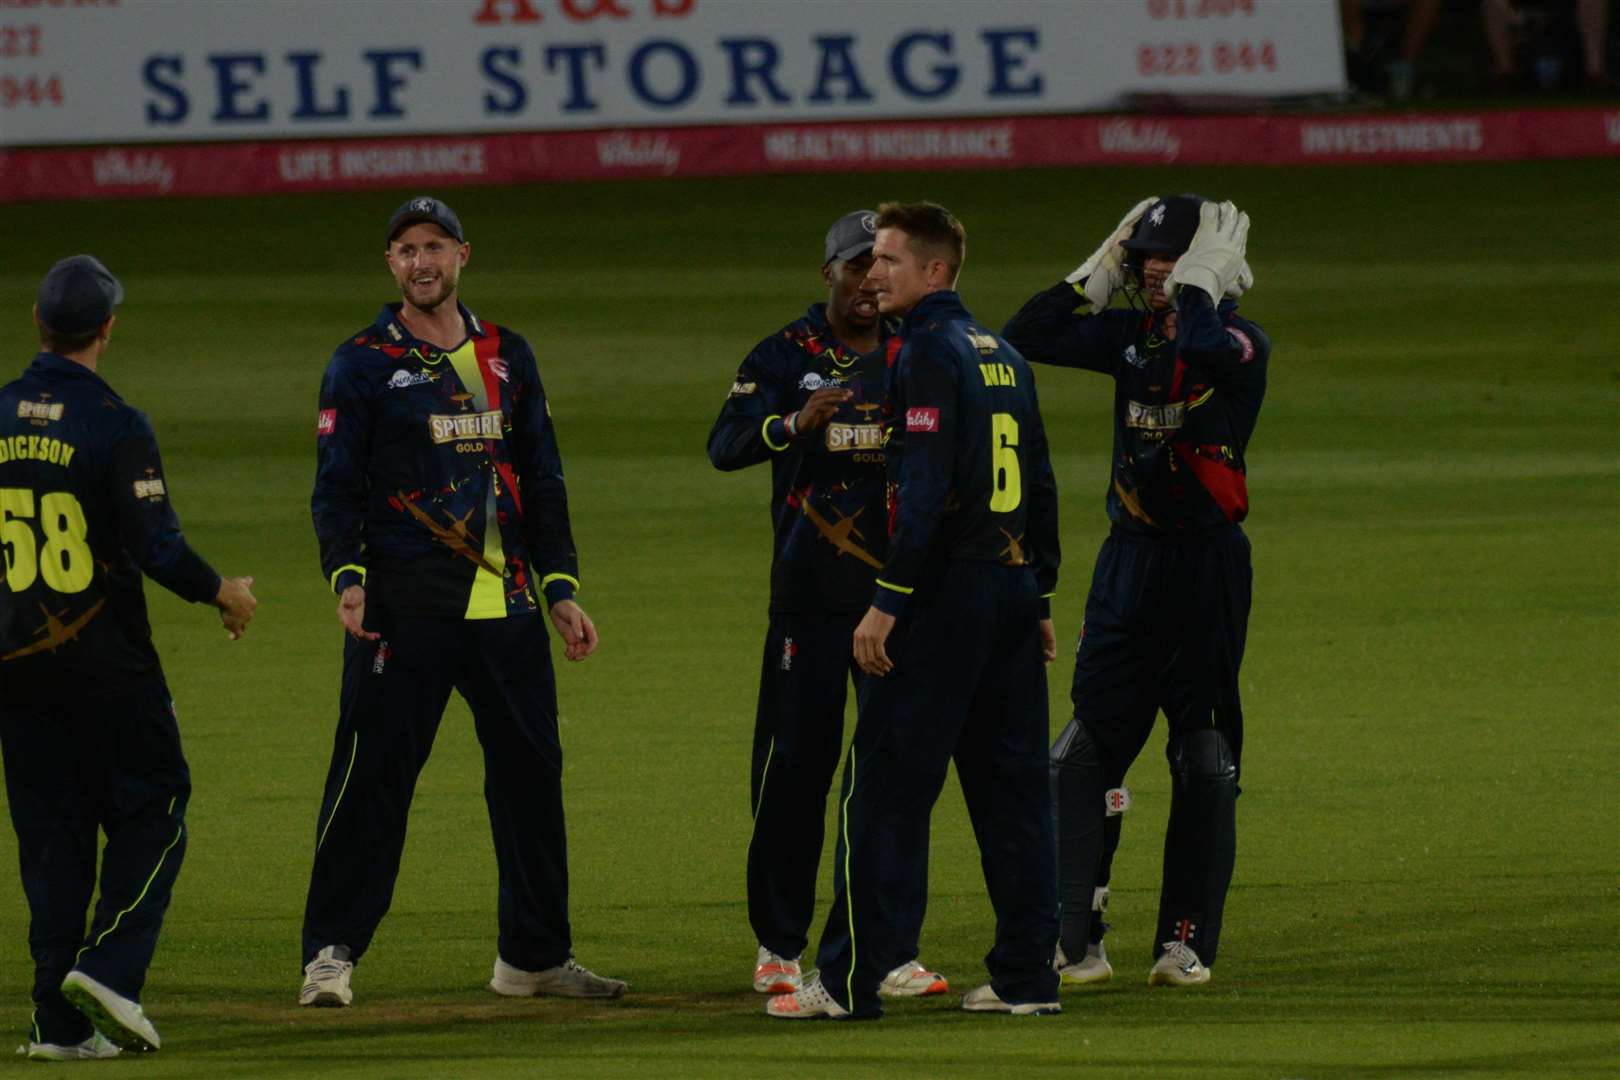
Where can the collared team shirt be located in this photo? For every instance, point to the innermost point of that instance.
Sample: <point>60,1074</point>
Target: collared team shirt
<point>84,510</point>
<point>827,486</point>
<point>438,483</point>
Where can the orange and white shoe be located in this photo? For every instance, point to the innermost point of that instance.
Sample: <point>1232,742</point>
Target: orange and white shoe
<point>911,979</point>
<point>809,1002</point>
<point>776,974</point>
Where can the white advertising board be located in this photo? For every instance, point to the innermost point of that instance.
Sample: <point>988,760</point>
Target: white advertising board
<point>102,71</point>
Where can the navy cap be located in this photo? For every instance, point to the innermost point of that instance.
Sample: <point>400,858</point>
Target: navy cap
<point>78,295</point>
<point>851,235</point>
<point>424,208</point>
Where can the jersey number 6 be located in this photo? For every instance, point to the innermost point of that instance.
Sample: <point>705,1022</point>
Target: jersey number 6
<point>67,566</point>
<point>1009,489</point>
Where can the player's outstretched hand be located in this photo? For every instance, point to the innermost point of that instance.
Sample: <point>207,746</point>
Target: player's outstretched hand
<point>577,630</point>
<point>820,408</point>
<point>351,612</point>
<point>1102,274</point>
<point>236,603</point>
<point>1048,641</point>
<point>1214,260</point>
<point>870,637</point>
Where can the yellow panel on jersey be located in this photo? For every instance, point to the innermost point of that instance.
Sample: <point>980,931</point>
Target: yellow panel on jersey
<point>487,598</point>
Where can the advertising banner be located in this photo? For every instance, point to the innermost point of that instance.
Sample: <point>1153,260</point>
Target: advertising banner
<point>433,162</point>
<point>83,72</point>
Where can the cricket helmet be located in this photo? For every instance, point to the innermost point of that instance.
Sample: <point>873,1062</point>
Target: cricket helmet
<point>1166,229</point>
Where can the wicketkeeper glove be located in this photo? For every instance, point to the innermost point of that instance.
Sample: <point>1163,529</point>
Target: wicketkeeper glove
<point>1102,274</point>
<point>1214,260</point>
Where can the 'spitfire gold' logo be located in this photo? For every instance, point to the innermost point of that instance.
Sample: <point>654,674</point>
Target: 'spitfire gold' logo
<point>484,425</point>
<point>854,437</point>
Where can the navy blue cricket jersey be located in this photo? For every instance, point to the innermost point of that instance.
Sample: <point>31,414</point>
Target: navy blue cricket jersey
<point>1183,410</point>
<point>438,482</point>
<point>84,509</point>
<point>827,508</point>
<point>969,476</point>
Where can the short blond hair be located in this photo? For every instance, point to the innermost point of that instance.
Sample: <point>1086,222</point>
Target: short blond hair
<point>932,231</point>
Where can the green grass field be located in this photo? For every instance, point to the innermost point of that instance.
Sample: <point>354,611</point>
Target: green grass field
<point>1427,880</point>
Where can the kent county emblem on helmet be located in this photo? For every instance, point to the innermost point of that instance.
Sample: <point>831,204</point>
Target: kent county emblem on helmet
<point>1156,217</point>
<point>426,206</point>
<point>869,222</point>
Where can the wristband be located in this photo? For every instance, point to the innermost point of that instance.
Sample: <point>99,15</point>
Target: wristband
<point>792,424</point>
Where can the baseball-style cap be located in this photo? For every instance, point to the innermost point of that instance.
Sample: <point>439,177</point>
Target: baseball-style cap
<point>424,208</point>
<point>851,235</point>
<point>78,294</point>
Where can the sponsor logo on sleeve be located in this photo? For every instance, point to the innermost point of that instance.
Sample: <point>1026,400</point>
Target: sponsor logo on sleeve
<point>150,488</point>
<point>922,419</point>
<point>327,423</point>
<point>743,389</point>
<point>1243,342</point>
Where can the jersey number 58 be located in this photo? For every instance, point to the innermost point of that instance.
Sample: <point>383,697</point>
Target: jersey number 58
<point>65,563</point>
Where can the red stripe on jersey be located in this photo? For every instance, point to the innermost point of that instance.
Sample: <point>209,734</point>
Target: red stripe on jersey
<point>487,350</point>
<point>1226,485</point>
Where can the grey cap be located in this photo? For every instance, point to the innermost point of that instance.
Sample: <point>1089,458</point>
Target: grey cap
<point>851,235</point>
<point>78,295</point>
<point>424,208</point>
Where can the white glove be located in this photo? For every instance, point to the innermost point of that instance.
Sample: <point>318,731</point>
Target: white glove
<point>1214,260</point>
<point>1102,274</point>
<point>1244,282</point>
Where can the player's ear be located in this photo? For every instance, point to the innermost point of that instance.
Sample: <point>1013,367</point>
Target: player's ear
<point>106,328</point>
<point>465,253</point>
<point>826,274</point>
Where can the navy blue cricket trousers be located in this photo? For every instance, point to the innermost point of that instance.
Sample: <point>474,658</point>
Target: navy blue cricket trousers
<point>798,738</point>
<point>1165,626</point>
<point>394,694</point>
<point>968,683</point>
<point>113,764</point>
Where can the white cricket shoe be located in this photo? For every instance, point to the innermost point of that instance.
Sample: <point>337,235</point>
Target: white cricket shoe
<point>326,979</point>
<point>911,979</point>
<point>1178,966</point>
<point>115,1016</point>
<point>1090,969</point>
<point>985,999</point>
<point>776,974</point>
<point>809,1002</point>
<point>97,1046</point>
<point>568,979</point>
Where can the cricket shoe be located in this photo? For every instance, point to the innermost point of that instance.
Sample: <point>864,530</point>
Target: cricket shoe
<point>1090,970</point>
<point>810,1002</point>
<point>776,974</point>
<point>911,979</point>
<point>568,979</point>
<point>985,999</point>
<point>96,1047</point>
<point>115,1016</point>
<point>326,979</point>
<point>1178,965</point>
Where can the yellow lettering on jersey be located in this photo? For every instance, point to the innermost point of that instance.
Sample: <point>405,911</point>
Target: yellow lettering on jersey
<point>997,375</point>
<point>36,448</point>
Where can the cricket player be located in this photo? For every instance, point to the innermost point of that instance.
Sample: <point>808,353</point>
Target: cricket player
<point>1168,610</point>
<point>86,721</point>
<point>954,642</point>
<point>443,525</point>
<point>807,400</point>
